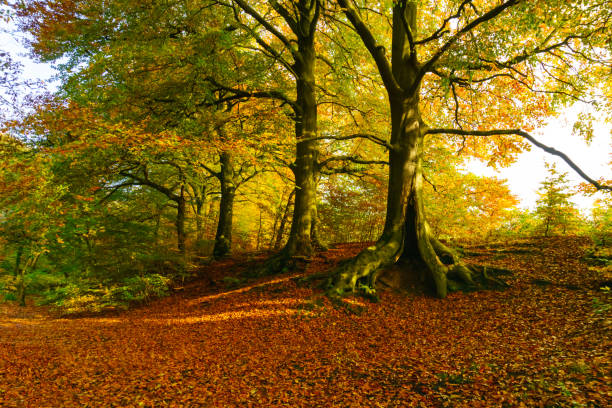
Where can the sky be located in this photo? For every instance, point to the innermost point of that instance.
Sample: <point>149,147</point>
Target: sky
<point>523,177</point>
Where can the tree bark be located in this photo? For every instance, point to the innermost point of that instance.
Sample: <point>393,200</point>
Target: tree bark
<point>283,222</point>
<point>21,286</point>
<point>223,237</point>
<point>306,163</point>
<point>199,198</point>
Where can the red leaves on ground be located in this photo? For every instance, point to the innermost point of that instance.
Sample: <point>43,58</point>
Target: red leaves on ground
<point>275,343</point>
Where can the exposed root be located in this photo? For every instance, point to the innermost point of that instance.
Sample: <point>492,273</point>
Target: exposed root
<point>471,277</point>
<point>360,273</point>
<point>443,265</point>
<point>280,263</point>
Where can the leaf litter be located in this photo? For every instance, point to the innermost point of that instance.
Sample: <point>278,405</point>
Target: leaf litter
<point>276,342</point>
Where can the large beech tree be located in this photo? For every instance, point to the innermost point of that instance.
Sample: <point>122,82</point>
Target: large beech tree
<point>293,30</point>
<point>536,46</point>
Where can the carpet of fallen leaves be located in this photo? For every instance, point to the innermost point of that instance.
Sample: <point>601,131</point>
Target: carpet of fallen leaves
<point>544,342</point>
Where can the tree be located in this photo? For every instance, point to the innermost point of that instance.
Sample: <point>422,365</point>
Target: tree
<point>295,37</point>
<point>462,49</point>
<point>31,207</point>
<point>474,77</point>
<point>554,209</point>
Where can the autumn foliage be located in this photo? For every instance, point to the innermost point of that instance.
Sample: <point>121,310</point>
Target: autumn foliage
<point>255,203</point>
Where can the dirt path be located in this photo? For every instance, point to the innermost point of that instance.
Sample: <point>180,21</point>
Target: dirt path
<point>278,344</point>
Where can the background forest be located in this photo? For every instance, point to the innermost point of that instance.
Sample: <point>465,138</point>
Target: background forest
<point>185,132</point>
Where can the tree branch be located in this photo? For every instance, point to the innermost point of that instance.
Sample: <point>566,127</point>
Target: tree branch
<point>368,136</point>
<point>352,159</point>
<point>261,20</point>
<point>216,174</point>
<point>284,13</point>
<point>146,182</point>
<point>525,135</point>
<point>442,30</point>
<point>241,94</point>
<point>491,14</point>
<point>377,51</point>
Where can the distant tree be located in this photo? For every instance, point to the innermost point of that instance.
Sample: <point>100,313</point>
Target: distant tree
<point>554,209</point>
<point>30,208</point>
<point>602,221</point>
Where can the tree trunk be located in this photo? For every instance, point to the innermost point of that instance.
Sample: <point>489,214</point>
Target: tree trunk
<point>21,289</point>
<point>283,222</point>
<point>404,222</point>
<point>198,220</point>
<point>18,260</point>
<point>258,243</point>
<point>315,238</point>
<point>180,222</point>
<point>199,206</point>
<point>21,272</point>
<point>406,234</point>
<point>306,164</point>
<point>20,275</point>
<point>277,216</point>
<point>223,238</point>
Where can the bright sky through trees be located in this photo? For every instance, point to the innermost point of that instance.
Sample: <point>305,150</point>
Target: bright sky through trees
<point>524,176</point>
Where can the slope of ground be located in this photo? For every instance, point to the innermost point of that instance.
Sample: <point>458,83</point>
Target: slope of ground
<point>544,342</point>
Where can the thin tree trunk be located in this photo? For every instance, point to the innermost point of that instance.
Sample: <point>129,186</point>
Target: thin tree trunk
<point>21,286</point>
<point>277,217</point>
<point>18,273</point>
<point>259,232</point>
<point>283,223</point>
<point>199,205</point>
<point>21,289</point>
<point>180,221</point>
<point>223,237</point>
<point>18,260</point>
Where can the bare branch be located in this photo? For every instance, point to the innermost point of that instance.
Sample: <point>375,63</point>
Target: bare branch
<point>242,94</point>
<point>261,20</point>
<point>368,136</point>
<point>216,174</point>
<point>284,13</point>
<point>442,30</point>
<point>525,135</point>
<point>144,181</point>
<point>115,189</point>
<point>352,159</point>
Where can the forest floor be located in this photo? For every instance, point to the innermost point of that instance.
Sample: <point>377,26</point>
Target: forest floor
<point>544,342</point>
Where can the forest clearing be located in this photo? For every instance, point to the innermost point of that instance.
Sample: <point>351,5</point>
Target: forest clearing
<point>543,342</point>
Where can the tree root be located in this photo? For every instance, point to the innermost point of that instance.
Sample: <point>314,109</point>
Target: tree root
<point>359,274</point>
<point>471,276</point>
<point>281,263</point>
